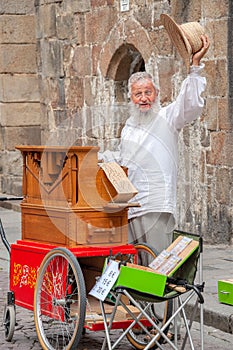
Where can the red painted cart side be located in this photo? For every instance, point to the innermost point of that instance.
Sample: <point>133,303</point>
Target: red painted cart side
<point>27,256</point>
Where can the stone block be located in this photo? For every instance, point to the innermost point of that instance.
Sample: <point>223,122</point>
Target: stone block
<point>216,9</point>
<point>224,115</point>
<point>185,12</point>
<point>223,184</point>
<point>65,27</point>
<point>17,29</point>
<point>20,114</point>
<point>218,35</point>
<point>51,52</point>
<point>18,58</point>
<point>11,185</point>
<point>215,72</point>
<point>221,149</point>
<point>47,22</point>
<point>75,93</point>
<point>52,90</point>
<point>143,15</point>
<point>224,225</point>
<point>49,90</point>
<point>16,187</point>
<point>80,6</point>
<point>96,49</point>
<point>97,3</point>
<point>89,91</point>
<point>17,7</point>
<point>165,71</point>
<point>1,141</point>
<point>11,163</point>
<point>161,42</point>
<point>80,24</point>
<point>99,23</point>
<point>211,113</point>
<point>19,88</point>
<point>67,54</point>
<point>82,61</point>
<point>30,135</point>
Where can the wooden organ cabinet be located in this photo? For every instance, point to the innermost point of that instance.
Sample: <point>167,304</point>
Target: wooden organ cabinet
<point>66,196</point>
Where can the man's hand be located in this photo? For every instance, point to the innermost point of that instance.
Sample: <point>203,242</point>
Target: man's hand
<point>198,55</point>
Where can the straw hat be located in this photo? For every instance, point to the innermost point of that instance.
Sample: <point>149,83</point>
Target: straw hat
<point>185,37</point>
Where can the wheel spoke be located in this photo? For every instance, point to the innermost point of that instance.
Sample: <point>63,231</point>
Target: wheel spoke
<point>60,299</point>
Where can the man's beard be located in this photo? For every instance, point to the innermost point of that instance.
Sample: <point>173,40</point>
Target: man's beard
<point>143,118</point>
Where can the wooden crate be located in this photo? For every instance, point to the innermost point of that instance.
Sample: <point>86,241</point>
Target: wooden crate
<point>65,196</point>
<point>151,280</point>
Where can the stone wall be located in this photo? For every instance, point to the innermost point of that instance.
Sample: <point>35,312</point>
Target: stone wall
<point>86,50</point>
<point>19,94</point>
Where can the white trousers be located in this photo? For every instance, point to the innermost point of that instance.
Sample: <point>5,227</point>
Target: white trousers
<point>155,229</point>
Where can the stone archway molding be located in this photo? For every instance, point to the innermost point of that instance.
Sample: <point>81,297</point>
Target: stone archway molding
<point>124,34</point>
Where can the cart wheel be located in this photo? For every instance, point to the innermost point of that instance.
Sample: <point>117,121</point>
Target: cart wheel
<point>9,321</point>
<point>160,312</point>
<point>59,301</point>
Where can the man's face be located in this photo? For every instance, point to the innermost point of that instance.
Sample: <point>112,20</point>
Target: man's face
<point>143,94</point>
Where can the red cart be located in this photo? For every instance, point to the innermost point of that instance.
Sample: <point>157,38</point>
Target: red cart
<point>68,231</point>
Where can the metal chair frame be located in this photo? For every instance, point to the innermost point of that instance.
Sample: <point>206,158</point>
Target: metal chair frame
<point>189,291</point>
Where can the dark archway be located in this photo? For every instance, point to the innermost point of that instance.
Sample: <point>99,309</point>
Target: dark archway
<point>125,61</point>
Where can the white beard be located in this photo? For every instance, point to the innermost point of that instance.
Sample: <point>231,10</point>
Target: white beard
<point>143,118</point>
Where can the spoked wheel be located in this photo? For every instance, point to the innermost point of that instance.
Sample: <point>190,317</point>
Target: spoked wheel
<point>59,301</point>
<point>160,312</point>
<point>9,322</point>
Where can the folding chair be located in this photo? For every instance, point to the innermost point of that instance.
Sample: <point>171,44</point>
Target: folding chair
<point>138,288</point>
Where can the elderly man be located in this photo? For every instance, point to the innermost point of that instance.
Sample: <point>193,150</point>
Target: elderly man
<point>148,148</point>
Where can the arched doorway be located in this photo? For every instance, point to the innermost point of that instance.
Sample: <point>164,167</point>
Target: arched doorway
<point>125,61</point>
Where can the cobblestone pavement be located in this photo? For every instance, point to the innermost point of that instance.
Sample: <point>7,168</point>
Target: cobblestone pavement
<point>25,337</point>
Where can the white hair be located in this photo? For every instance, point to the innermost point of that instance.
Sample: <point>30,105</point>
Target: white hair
<point>135,77</point>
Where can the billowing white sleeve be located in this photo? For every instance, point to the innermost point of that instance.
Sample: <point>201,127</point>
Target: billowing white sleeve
<point>189,103</point>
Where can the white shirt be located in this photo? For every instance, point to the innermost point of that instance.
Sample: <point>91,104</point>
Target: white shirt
<point>151,153</point>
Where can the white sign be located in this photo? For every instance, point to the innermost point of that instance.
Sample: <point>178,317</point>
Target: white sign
<point>124,5</point>
<point>106,281</point>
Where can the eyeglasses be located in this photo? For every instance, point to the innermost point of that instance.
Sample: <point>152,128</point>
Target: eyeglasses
<point>147,93</point>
